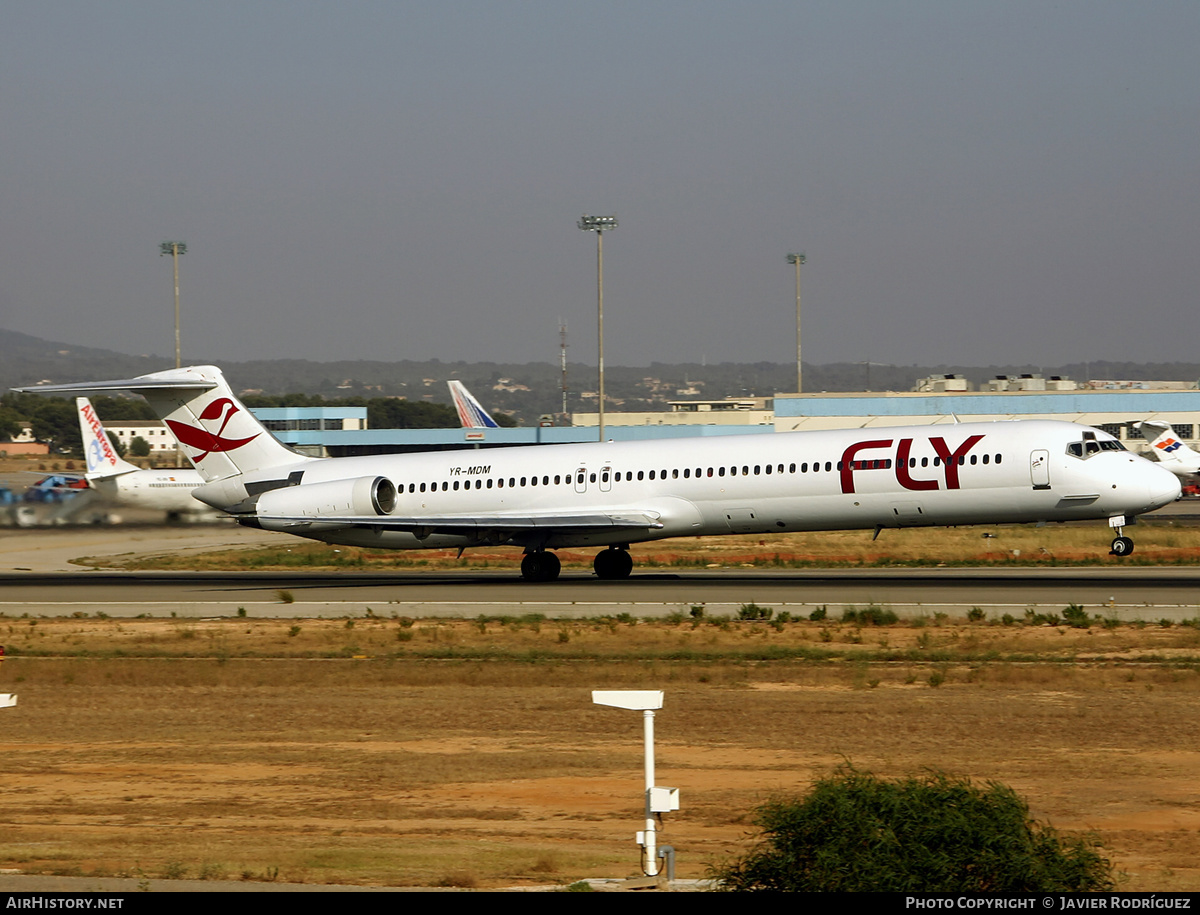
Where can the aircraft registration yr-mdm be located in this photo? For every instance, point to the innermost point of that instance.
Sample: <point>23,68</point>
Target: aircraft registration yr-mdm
<point>612,494</point>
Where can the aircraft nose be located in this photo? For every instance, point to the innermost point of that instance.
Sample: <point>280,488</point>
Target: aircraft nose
<point>1164,487</point>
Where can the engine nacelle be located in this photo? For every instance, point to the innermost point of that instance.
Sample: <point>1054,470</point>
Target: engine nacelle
<point>363,496</point>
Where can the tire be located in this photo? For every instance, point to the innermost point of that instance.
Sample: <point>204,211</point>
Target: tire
<point>613,565</point>
<point>1121,546</point>
<point>540,566</point>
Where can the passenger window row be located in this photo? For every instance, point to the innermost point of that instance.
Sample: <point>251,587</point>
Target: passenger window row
<point>688,473</point>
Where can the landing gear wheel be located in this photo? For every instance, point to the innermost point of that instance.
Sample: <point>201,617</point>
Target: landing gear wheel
<point>540,566</point>
<point>1121,546</point>
<point>613,564</point>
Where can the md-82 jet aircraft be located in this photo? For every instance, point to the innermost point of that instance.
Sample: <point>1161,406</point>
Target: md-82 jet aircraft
<point>609,494</point>
<point>117,481</point>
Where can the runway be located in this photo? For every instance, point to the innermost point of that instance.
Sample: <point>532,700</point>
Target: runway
<point>1133,593</point>
<point>41,575</point>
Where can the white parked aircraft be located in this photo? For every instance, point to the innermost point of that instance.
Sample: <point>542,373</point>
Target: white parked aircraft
<point>121,483</point>
<point>1173,454</point>
<point>608,494</point>
<point>471,413</point>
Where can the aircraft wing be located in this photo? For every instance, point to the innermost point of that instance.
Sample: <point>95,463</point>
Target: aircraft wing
<point>494,526</point>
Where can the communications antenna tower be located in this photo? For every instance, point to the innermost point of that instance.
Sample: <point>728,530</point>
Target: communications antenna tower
<point>562,345</point>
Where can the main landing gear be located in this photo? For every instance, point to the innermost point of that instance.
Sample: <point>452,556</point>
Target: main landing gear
<point>613,563</point>
<point>1122,545</point>
<point>540,566</point>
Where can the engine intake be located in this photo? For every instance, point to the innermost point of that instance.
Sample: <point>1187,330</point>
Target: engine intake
<point>363,496</point>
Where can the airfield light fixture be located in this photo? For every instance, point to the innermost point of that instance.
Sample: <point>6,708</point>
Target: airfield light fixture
<point>797,260</point>
<point>658,799</point>
<point>599,225</point>
<point>174,249</point>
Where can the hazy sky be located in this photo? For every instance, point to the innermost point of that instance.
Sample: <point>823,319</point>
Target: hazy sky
<point>972,182</point>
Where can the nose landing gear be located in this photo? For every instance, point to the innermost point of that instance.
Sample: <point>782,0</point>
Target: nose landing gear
<point>1121,545</point>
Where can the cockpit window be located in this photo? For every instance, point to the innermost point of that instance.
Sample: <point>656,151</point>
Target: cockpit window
<point>1087,448</point>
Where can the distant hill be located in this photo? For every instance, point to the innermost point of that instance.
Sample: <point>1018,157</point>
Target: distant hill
<point>531,389</point>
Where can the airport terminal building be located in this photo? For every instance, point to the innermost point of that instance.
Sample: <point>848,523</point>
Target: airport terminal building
<point>341,431</point>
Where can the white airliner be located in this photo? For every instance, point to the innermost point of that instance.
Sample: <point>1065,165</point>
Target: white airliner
<point>1173,454</point>
<point>607,494</point>
<point>471,413</point>
<point>121,483</point>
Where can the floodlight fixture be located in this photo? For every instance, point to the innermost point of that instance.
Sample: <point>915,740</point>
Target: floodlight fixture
<point>597,223</point>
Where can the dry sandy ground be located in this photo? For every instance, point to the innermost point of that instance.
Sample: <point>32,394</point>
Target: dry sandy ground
<point>399,770</point>
<point>344,754</point>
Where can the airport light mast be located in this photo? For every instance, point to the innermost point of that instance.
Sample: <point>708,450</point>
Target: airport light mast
<point>797,260</point>
<point>599,225</point>
<point>174,249</point>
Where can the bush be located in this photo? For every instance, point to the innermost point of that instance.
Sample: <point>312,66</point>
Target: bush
<point>1076,617</point>
<point>855,832</point>
<point>753,611</point>
<point>870,616</point>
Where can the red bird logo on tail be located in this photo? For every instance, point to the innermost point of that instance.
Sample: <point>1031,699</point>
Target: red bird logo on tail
<point>208,442</point>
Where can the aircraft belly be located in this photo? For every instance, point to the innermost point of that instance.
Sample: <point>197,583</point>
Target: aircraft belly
<point>384,540</point>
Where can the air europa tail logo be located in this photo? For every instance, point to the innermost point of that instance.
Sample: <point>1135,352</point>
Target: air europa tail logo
<point>208,442</point>
<point>100,451</point>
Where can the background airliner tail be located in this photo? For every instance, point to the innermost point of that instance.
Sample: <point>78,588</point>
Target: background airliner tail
<point>471,413</point>
<point>98,449</point>
<point>1173,454</point>
<point>218,434</point>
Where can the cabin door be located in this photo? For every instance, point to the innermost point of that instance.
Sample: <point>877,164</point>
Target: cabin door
<point>1039,469</point>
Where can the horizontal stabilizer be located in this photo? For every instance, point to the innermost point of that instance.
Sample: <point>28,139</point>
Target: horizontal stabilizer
<point>219,435</point>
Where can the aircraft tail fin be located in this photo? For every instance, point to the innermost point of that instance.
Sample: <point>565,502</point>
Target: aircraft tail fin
<point>98,451</point>
<point>471,413</point>
<point>218,434</point>
<point>1173,454</point>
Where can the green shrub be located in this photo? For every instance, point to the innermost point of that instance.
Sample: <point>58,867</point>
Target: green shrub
<point>936,833</point>
<point>870,616</point>
<point>1076,617</point>
<point>753,611</point>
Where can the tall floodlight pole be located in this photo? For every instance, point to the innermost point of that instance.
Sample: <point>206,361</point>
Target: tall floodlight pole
<point>174,249</point>
<point>599,225</point>
<point>797,260</point>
